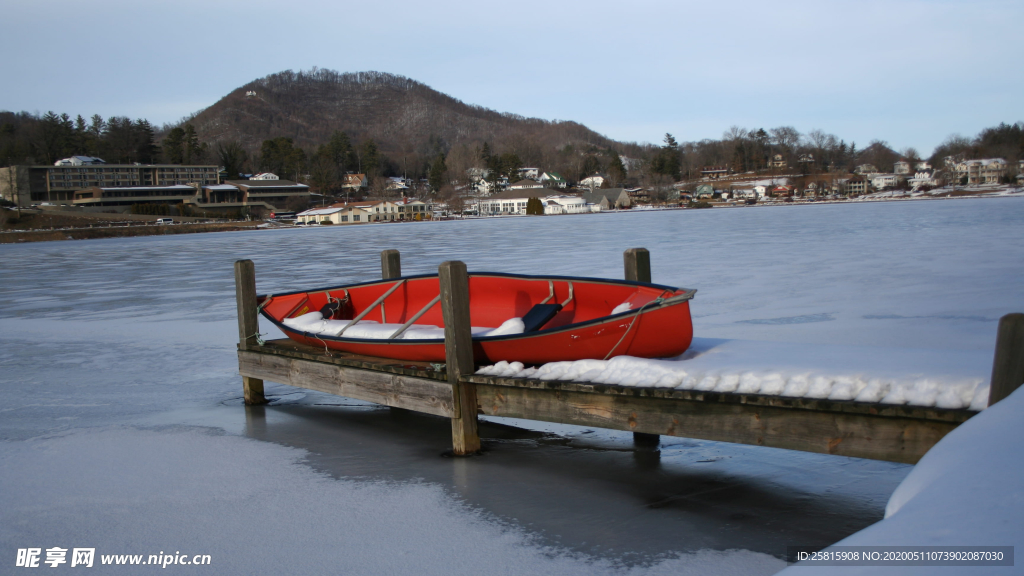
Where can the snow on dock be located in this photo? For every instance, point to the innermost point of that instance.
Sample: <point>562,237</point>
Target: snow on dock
<point>955,379</point>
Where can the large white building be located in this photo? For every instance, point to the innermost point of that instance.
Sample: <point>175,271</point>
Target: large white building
<point>565,205</point>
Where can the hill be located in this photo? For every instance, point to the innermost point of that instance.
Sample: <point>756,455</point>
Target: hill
<point>399,114</point>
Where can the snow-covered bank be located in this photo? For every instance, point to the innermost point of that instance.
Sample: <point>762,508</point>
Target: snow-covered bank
<point>941,378</point>
<point>968,490</point>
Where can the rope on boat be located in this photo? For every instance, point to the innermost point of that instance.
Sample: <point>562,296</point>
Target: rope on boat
<point>658,300</point>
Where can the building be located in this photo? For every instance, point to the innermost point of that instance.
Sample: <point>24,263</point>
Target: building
<point>531,173</point>
<point>129,195</point>
<point>922,166</point>
<point>714,172</point>
<point>275,193</point>
<point>866,169</point>
<point>883,181</point>
<point>806,159</point>
<point>354,182</point>
<point>783,190</point>
<point>778,162</point>
<point>565,205</point>
<point>525,184</point>
<point>985,171</point>
<point>608,198</point>
<point>901,167</point>
<point>413,210</point>
<point>35,184</point>
<point>552,180</point>
<point>595,181</point>
<point>510,202</point>
<point>856,186</point>
<point>921,178</point>
<point>264,176</point>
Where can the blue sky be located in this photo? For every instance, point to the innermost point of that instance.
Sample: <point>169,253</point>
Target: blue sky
<point>907,72</point>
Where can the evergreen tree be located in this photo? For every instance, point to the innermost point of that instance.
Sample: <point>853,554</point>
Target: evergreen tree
<point>666,161</point>
<point>193,151</point>
<point>232,157</point>
<point>370,158</point>
<point>535,207</point>
<point>438,171</point>
<point>173,146</point>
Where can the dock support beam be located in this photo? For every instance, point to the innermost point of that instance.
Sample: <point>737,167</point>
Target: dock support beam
<point>248,323</point>
<point>458,352</point>
<point>1008,364</point>
<point>637,262</point>
<point>390,264</point>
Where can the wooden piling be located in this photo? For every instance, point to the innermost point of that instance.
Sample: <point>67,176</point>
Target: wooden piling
<point>637,262</point>
<point>391,267</point>
<point>390,264</point>
<point>1008,364</point>
<point>248,324</point>
<point>458,349</point>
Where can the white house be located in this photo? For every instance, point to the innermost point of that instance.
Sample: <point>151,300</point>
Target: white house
<point>510,202</point>
<point>921,178</point>
<point>901,167</point>
<point>552,180</point>
<point>922,166</point>
<point>565,205</point>
<point>532,173</point>
<point>865,169</point>
<point>594,181</point>
<point>318,215</point>
<point>984,171</point>
<point>413,210</point>
<point>883,181</point>
<point>265,176</point>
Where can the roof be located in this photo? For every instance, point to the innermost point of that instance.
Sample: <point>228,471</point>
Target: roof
<point>220,187</point>
<point>553,176</point>
<point>521,193</point>
<point>320,211</point>
<point>595,197</point>
<point>182,187</point>
<point>265,184</point>
<point>527,182</point>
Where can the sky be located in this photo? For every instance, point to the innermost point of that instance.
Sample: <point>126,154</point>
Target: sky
<point>906,72</point>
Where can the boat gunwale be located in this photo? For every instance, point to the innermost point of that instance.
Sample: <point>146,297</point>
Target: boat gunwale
<point>683,298</point>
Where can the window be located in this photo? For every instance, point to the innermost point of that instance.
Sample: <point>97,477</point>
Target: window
<point>355,218</point>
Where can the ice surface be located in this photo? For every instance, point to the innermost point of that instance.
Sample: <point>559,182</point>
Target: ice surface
<point>267,513</point>
<point>113,351</point>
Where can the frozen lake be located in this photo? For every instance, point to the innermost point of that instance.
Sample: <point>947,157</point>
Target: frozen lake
<point>123,427</point>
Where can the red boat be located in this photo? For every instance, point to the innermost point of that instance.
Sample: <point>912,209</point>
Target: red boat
<point>529,319</point>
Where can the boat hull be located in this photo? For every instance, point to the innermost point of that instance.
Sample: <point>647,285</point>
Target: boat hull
<point>658,326</point>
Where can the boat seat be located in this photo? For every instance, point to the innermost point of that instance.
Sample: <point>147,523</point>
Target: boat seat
<point>539,315</point>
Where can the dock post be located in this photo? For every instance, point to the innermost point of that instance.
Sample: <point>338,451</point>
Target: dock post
<point>458,352</point>
<point>390,264</point>
<point>248,323</point>
<point>637,262</point>
<point>391,267</point>
<point>1008,364</point>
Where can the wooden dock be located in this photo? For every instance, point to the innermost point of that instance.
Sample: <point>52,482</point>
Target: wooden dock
<point>864,430</point>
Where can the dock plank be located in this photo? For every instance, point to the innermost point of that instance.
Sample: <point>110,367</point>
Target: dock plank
<point>382,387</point>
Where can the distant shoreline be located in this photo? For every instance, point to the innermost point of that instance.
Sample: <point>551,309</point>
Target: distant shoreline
<point>73,233</point>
